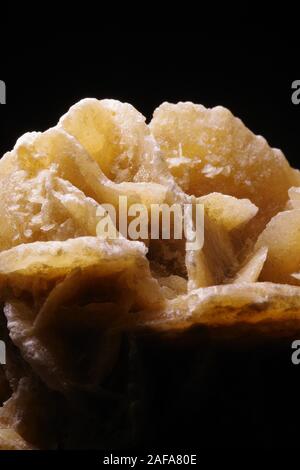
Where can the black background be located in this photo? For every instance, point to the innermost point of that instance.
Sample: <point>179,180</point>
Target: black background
<point>251,77</point>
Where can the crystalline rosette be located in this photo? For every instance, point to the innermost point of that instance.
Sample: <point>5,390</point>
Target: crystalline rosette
<point>92,320</point>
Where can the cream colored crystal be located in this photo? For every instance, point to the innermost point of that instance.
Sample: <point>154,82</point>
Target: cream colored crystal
<point>218,260</point>
<point>229,211</point>
<point>282,238</point>
<point>271,307</point>
<point>86,286</point>
<point>117,138</point>
<point>73,301</point>
<point>11,440</point>
<point>214,151</point>
<point>252,268</point>
<point>294,195</point>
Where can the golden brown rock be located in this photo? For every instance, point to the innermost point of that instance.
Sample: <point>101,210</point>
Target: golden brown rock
<point>211,150</point>
<point>73,301</point>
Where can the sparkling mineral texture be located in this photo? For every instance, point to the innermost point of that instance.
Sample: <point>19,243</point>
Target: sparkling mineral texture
<point>76,309</point>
